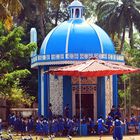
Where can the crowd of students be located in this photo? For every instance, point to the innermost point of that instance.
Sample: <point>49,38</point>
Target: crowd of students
<point>58,125</point>
<point>63,126</point>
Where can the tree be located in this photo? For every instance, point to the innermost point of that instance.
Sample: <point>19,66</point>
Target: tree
<point>117,16</point>
<point>43,15</point>
<point>133,58</point>
<point>90,9</point>
<point>132,86</point>
<point>10,9</point>
<point>14,57</point>
<point>46,14</point>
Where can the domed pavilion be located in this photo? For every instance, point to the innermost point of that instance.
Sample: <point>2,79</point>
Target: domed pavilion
<point>71,41</point>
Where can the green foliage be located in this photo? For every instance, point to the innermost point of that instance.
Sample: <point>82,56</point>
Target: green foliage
<point>19,96</point>
<point>46,14</point>
<point>132,57</point>
<point>14,56</point>
<point>117,16</point>
<point>90,6</point>
<point>124,94</point>
<point>10,78</point>
<point>10,9</point>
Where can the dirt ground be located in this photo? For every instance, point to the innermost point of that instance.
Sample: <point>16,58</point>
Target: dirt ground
<point>85,138</point>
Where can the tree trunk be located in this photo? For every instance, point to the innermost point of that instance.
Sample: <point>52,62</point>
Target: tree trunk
<point>131,34</point>
<point>122,42</point>
<point>56,17</point>
<point>41,9</point>
<point>119,42</point>
<point>42,28</point>
<point>112,36</point>
<point>125,103</point>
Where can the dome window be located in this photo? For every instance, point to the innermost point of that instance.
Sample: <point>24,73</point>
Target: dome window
<point>76,9</point>
<point>77,13</point>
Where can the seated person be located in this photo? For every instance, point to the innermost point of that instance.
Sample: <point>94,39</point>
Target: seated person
<point>133,120</point>
<point>91,126</point>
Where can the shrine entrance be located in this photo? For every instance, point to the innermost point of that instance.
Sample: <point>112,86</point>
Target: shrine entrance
<point>87,102</point>
<point>84,95</point>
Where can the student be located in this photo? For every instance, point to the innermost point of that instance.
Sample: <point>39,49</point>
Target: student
<point>61,125</point>
<point>45,127</point>
<point>75,126</point>
<point>54,127</point>
<point>50,114</point>
<point>23,125</point>
<point>12,119</point>
<point>117,132</point>
<point>118,112</point>
<point>109,122</point>
<point>66,111</point>
<point>38,126</point>
<point>91,126</point>
<point>30,124</point>
<point>133,120</point>
<point>101,128</point>
<point>112,112</point>
<point>70,126</point>
<point>18,124</point>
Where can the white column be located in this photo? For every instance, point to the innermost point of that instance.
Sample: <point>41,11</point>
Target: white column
<point>42,91</point>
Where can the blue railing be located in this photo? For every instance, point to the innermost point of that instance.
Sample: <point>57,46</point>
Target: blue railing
<point>75,56</point>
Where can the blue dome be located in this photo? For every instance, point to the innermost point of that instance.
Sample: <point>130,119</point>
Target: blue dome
<point>75,40</point>
<point>77,37</point>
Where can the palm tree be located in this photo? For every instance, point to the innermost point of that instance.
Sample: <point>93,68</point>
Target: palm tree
<point>41,7</point>
<point>115,16</point>
<point>42,14</point>
<point>9,10</point>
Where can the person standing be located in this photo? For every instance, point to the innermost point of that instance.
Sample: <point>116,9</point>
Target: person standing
<point>117,132</point>
<point>109,122</point>
<point>118,112</point>
<point>112,112</point>
<point>101,128</point>
<point>50,114</point>
<point>66,111</point>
